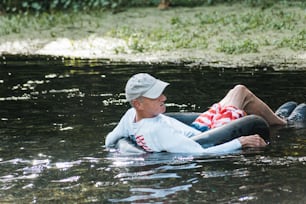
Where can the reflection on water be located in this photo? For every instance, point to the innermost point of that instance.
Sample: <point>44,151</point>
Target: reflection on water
<point>54,119</point>
<point>149,193</point>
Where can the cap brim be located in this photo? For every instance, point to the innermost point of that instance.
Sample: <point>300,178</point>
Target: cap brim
<point>156,90</point>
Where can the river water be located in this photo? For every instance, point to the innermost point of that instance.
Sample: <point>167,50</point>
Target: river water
<point>55,116</point>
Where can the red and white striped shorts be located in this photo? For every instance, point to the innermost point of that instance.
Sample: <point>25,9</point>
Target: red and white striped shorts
<point>217,116</point>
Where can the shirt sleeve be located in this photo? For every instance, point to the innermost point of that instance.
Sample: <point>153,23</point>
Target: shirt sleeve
<point>181,144</point>
<point>118,132</point>
<point>224,148</point>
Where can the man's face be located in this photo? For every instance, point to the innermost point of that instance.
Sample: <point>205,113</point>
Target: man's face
<point>153,107</point>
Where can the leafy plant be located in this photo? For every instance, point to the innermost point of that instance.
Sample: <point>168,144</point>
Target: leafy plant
<point>245,46</point>
<point>296,42</point>
<point>40,6</point>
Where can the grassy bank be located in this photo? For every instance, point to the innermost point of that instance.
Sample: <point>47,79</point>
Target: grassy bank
<point>217,34</point>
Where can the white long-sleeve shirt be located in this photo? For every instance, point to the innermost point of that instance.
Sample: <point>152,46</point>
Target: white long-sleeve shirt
<point>163,133</point>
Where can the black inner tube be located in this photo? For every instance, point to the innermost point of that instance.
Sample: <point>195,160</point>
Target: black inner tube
<point>245,126</point>
<point>248,125</point>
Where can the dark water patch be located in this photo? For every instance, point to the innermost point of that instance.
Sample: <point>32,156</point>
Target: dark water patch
<point>54,119</point>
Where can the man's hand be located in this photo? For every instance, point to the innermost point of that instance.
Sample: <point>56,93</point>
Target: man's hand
<point>252,141</point>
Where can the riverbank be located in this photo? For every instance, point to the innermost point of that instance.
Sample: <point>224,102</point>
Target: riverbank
<point>215,36</point>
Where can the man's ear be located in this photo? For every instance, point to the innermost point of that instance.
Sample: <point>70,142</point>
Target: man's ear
<point>136,104</point>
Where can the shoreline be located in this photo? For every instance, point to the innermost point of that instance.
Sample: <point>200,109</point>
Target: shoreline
<point>258,62</point>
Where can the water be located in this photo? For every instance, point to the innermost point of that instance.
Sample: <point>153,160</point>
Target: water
<point>55,115</point>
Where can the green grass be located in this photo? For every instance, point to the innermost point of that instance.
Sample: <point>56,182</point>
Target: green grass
<point>295,42</point>
<point>226,29</point>
<point>196,32</point>
<point>240,47</point>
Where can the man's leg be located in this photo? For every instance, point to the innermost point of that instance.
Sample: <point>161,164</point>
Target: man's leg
<point>242,98</point>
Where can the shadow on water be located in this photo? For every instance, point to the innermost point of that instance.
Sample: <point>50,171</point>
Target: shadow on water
<point>55,115</point>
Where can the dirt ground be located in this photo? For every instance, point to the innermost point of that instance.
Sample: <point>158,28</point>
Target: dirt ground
<point>89,41</point>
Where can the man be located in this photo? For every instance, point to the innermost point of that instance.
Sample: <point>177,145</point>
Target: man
<point>153,131</point>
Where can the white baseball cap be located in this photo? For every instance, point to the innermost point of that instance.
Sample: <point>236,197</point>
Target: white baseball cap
<point>144,84</point>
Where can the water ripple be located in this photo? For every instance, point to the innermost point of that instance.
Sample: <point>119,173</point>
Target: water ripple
<point>144,176</point>
<point>234,173</point>
<point>151,193</point>
<point>272,161</point>
<point>67,180</point>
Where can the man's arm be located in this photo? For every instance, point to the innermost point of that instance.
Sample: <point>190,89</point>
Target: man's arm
<point>236,144</point>
<point>118,132</point>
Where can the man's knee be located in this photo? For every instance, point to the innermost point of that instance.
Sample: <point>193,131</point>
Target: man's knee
<point>243,91</point>
<point>240,89</point>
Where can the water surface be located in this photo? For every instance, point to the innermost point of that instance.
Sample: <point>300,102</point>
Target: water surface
<point>55,116</point>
